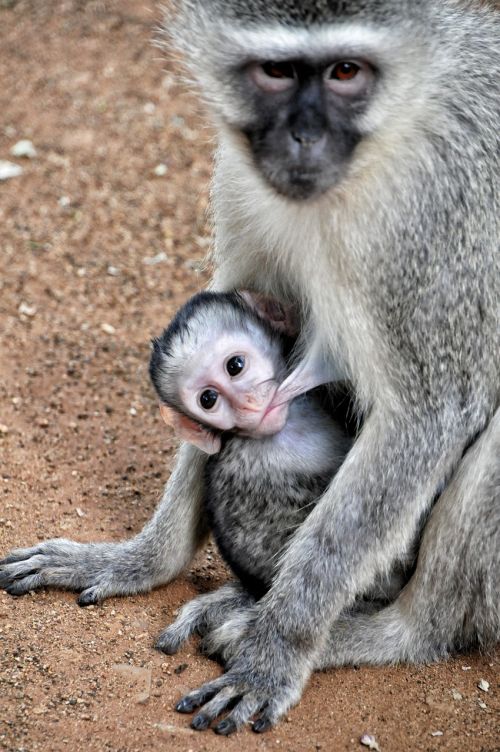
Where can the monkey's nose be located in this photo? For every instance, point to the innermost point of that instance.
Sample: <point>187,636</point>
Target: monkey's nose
<point>250,401</point>
<point>307,136</point>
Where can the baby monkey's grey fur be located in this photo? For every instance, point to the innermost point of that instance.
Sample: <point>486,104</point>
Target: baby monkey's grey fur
<point>378,213</point>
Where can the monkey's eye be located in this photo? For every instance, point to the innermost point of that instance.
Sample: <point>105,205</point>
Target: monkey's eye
<point>208,398</point>
<point>349,78</point>
<point>235,365</point>
<point>279,70</point>
<point>344,71</point>
<point>273,77</point>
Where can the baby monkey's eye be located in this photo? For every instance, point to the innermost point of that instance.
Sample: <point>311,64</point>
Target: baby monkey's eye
<point>208,398</point>
<point>235,365</point>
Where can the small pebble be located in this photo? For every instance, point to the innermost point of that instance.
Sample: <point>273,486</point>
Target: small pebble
<point>23,148</point>
<point>108,328</point>
<point>483,685</point>
<point>436,733</point>
<point>456,694</point>
<point>158,259</point>
<point>113,271</point>
<point>27,310</point>
<point>9,170</point>
<point>160,170</point>
<point>367,740</point>
<point>466,668</point>
<point>64,202</point>
<point>482,704</point>
<point>3,428</point>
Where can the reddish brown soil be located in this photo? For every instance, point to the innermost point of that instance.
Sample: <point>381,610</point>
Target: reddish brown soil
<point>83,451</point>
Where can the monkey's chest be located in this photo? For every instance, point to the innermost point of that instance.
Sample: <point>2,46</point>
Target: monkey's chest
<point>253,508</point>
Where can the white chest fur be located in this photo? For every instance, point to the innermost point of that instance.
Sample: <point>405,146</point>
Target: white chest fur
<point>308,252</point>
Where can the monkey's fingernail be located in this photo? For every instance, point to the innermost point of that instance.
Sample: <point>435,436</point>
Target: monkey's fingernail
<point>261,725</point>
<point>12,590</point>
<point>165,648</point>
<point>225,727</point>
<point>87,598</point>
<point>186,705</point>
<point>200,722</point>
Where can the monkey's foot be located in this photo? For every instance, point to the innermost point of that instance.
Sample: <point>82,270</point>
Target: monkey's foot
<point>204,616</point>
<point>98,570</point>
<point>222,639</point>
<point>265,679</point>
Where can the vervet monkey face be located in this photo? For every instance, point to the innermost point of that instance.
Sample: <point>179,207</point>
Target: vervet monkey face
<point>229,384</point>
<point>305,122</point>
<point>294,88</point>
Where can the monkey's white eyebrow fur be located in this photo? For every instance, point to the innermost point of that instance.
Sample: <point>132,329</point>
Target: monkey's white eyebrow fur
<point>274,41</point>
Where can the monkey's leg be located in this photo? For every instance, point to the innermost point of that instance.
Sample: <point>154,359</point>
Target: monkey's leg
<point>204,614</point>
<point>366,520</point>
<point>453,599</point>
<point>156,555</point>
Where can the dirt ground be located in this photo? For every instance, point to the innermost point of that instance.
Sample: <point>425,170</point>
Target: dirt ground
<point>102,237</point>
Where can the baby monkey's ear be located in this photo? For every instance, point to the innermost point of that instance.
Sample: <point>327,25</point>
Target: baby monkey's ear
<point>191,431</point>
<point>281,316</point>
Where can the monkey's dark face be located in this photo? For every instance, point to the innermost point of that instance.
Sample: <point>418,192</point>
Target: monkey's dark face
<point>303,131</point>
<point>295,87</point>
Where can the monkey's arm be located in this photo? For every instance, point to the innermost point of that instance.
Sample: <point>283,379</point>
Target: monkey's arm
<point>156,555</point>
<point>366,518</point>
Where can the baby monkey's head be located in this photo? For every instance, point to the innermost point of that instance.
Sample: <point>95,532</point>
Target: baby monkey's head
<point>220,361</point>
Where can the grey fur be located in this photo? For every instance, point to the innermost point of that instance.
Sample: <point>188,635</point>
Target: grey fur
<point>257,490</point>
<point>398,269</point>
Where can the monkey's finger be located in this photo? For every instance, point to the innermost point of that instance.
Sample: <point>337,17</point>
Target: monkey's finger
<point>169,641</point>
<point>90,597</point>
<point>21,587</point>
<point>212,709</point>
<point>17,570</point>
<point>200,696</point>
<point>19,554</point>
<point>272,712</point>
<point>241,714</point>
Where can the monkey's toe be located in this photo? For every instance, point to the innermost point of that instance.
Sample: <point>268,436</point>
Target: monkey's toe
<point>226,727</point>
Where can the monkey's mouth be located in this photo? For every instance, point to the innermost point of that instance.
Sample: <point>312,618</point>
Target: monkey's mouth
<point>273,419</point>
<point>300,184</point>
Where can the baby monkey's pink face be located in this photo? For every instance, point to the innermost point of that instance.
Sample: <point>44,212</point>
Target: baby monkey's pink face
<point>230,385</point>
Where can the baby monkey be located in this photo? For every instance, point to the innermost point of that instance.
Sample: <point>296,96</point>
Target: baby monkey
<point>220,366</point>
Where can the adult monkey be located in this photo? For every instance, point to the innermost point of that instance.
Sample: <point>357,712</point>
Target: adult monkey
<point>357,175</point>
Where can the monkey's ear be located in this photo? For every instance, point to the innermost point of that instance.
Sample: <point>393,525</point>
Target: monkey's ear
<point>191,431</point>
<point>281,317</point>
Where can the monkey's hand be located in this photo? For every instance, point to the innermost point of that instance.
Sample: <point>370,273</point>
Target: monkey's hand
<point>98,570</point>
<point>266,677</point>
